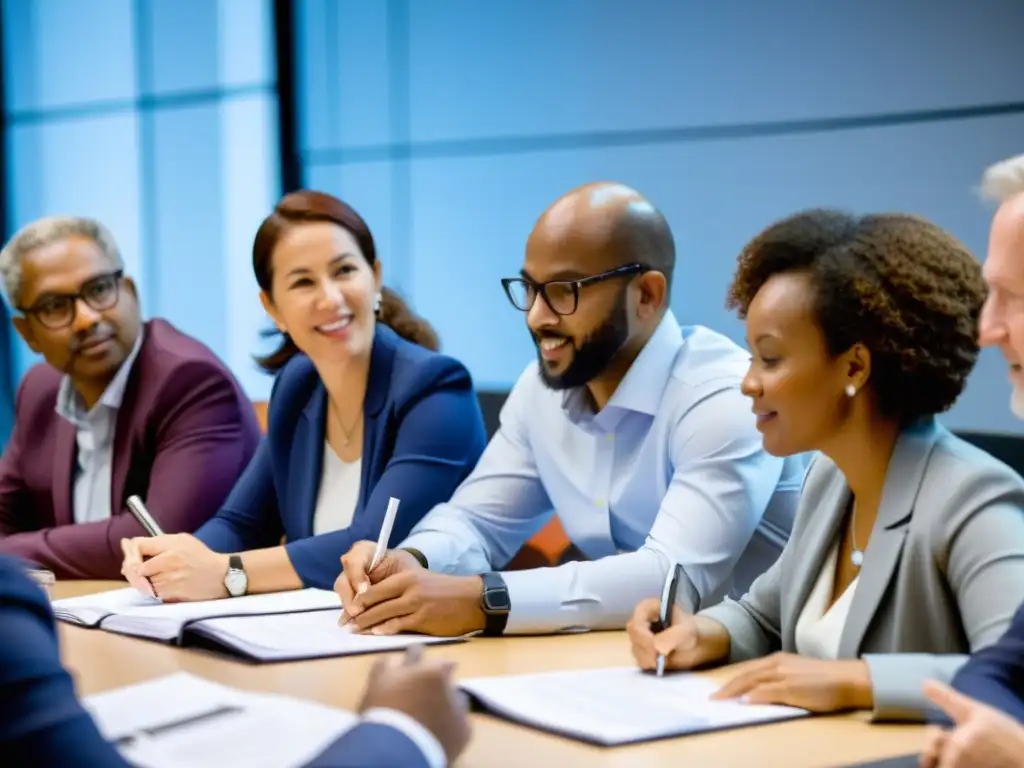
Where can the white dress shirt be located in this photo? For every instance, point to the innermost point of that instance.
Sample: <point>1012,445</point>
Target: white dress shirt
<point>820,625</point>
<point>339,493</point>
<point>672,469</point>
<point>94,438</point>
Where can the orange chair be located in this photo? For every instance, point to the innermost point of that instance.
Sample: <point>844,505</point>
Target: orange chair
<point>261,413</point>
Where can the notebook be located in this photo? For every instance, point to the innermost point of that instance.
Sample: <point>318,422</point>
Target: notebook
<point>278,626</point>
<point>612,707</point>
<point>182,719</point>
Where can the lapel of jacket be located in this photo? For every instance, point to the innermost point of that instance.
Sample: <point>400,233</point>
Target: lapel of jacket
<point>131,420</point>
<point>902,482</point>
<point>307,461</point>
<point>824,500</point>
<point>378,387</point>
<point>64,461</point>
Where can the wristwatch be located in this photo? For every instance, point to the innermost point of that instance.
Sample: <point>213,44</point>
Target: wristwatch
<point>495,603</point>
<point>236,581</point>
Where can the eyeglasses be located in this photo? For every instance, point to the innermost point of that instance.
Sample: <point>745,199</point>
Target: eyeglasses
<point>562,296</point>
<point>57,310</point>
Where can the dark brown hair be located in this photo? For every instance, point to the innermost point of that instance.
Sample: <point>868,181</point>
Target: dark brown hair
<point>305,206</point>
<point>901,286</point>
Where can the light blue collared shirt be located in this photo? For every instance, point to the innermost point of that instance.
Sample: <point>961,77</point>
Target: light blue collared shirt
<point>95,440</point>
<point>671,470</point>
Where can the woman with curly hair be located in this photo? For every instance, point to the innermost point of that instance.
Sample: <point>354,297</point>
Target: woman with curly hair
<point>907,552</point>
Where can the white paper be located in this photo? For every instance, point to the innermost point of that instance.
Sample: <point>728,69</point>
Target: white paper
<point>301,635</point>
<point>128,612</point>
<point>90,610</point>
<point>269,731</point>
<point>618,705</point>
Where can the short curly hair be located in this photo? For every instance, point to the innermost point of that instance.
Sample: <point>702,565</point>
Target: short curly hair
<point>901,286</point>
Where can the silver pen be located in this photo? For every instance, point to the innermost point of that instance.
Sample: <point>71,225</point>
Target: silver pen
<point>139,511</point>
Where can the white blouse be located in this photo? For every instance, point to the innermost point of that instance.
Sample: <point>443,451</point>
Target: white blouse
<point>339,492</point>
<point>820,627</point>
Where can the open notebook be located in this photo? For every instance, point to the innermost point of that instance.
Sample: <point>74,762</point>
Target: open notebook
<point>279,626</point>
<point>181,720</point>
<point>611,707</point>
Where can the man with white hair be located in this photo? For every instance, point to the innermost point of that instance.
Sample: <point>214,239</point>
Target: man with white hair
<point>120,408</point>
<point>986,701</point>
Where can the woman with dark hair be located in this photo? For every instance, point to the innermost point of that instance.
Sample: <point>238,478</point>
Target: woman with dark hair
<point>363,409</point>
<point>907,552</point>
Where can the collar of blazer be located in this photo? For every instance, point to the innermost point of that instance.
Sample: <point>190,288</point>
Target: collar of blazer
<point>825,500</point>
<point>307,462</point>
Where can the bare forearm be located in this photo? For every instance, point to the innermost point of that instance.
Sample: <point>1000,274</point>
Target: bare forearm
<point>270,570</point>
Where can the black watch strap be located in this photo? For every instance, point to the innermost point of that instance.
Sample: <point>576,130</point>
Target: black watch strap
<point>418,555</point>
<point>495,603</point>
<point>235,562</point>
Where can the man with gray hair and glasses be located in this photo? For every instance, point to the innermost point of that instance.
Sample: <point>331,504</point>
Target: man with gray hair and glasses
<point>985,704</point>
<point>120,408</point>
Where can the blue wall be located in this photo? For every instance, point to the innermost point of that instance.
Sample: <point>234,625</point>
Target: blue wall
<point>451,124</point>
<point>159,118</point>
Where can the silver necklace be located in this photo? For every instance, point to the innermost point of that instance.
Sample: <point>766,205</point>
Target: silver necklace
<point>857,555</point>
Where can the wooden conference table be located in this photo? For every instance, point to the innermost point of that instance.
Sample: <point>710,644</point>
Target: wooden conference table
<point>102,660</point>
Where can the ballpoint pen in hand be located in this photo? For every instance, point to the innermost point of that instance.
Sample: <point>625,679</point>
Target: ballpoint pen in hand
<point>668,600</point>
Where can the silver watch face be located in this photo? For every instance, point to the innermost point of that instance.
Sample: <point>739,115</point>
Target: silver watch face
<point>236,582</point>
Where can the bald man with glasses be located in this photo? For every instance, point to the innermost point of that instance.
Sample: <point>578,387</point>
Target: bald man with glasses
<point>629,426</point>
<point>119,408</point>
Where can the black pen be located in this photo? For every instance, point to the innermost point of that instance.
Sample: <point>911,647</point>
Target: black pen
<point>668,599</point>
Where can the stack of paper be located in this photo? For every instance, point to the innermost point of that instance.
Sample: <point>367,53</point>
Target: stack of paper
<point>128,612</point>
<point>182,720</point>
<point>280,626</point>
<point>617,706</point>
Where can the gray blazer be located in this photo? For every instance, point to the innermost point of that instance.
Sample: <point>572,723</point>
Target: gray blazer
<point>942,575</point>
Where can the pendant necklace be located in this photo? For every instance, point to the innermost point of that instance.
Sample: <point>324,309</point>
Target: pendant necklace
<point>857,555</point>
<point>346,434</point>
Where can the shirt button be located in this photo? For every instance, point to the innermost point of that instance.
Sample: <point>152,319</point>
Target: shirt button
<point>609,436</point>
<point>598,503</point>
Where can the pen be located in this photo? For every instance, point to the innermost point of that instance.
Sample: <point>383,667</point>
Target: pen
<point>139,511</point>
<point>668,599</point>
<point>385,533</point>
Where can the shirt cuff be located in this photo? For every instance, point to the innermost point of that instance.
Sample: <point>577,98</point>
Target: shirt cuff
<point>425,741</point>
<point>441,551</point>
<point>536,607</point>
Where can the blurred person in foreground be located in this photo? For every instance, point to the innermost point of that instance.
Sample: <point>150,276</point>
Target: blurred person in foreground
<point>410,714</point>
<point>907,553</point>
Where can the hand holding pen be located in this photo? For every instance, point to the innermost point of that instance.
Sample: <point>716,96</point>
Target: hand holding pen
<point>664,636</point>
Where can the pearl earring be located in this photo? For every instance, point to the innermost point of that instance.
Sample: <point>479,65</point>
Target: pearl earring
<point>376,304</point>
<point>850,390</point>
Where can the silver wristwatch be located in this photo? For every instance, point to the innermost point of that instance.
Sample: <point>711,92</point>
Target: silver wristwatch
<point>236,581</point>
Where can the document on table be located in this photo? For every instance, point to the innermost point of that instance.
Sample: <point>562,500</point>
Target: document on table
<point>183,720</point>
<point>610,707</point>
<point>309,635</point>
<point>128,612</point>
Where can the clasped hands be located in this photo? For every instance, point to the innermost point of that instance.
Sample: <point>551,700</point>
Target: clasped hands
<point>781,678</point>
<point>400,595</point>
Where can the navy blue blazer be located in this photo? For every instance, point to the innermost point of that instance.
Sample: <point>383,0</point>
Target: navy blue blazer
<point>42,722</point>
<point>423,433</point>
<point>995,675</point>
